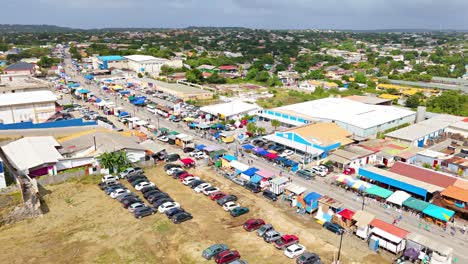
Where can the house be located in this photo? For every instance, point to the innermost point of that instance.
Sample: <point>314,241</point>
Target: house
<point>387,236</point>
<point>362,220</point>
<point>23,68</point>
<point>228,69</point>
<point>352,157</point>
<point>206,68</point>
<point>388,151</point>
<point>311,85</point>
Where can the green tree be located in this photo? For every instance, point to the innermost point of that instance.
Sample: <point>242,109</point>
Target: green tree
<point>45,62</point>
<point>216,79</point>
<point>360,77</point>
<point>114,161</point>
<point>275,123</point>
<point>140,75</point>
<point>251,128</point>
<point>261,130</point>
<point>274,81</point>
<point>315,75</point>
<point>413,101</point>
<point>262,76</point>
<point>194,76</point>
<point>251,74</point>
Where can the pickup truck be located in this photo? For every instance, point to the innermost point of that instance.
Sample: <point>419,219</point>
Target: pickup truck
<point>130,172</point>
<point>286,241</point>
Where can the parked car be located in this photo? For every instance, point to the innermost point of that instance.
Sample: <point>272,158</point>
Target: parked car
<point>214,250</point>
<point>118,192</point>
<point>238,261</point>
<point>177,174</point>
<point>166,206</point>
<point>239,181</point>
<point>263,229</point>
<point>142,185</point>
<point>199,155</point>
<point>210,190</point>
<point>198,152</point>
<point>227,256</point>
<point>138,181</point>
<point>160,201</point>
<point>157,196</point>
<point>294,250</point>
<point>109,178</point>
<point>319,171</point>
<point>130,171</point>
<point>238,211</point>
<point>195,183</point>
<point>380,166</point>
<point>306,174</point>
<point>135,206</point>
<point>255,188</point>
<point>227,198</point>
<point>163,138</point>
<point>105,185</point>
<point>308,258</point>
<point>230,205</point>
<point>271,236</point>
<point>217,195</point>
<point>173,170</point>
<point>171,212</point>
<point>149,189</point>
<point>286,153</point>
<point>112,188</point>
<point>188,149</point>
<point>333,227</point>
<point>328,167</point>
<point>253,224</point>
<point>142,212</point>
<point>270,195</point>
<point>124,196</point>
<point>172,157</point>
<point>200,188</point>
<point>171,165</point>
<point>286,241</point>
<point>349,171</point>
<point>129,201</point>
<point>181,217</point>
<point>189,180</point>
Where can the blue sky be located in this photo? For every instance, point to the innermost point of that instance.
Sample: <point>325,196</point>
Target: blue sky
<point>276,14</point>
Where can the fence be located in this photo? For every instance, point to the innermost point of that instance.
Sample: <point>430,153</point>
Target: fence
<point>61,177</point>
<point>57,124</point>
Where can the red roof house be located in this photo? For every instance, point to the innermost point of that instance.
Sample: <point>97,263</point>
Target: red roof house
<point>423,174</point>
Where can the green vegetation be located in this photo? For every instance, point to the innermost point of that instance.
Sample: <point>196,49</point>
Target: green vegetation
<point>450,102</point>
<point>114,161</point>
<point>382,134</point>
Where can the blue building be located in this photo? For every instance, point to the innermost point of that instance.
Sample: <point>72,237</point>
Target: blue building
<point>106,62</point>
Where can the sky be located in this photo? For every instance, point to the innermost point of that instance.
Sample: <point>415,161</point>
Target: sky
<point>270,14</point>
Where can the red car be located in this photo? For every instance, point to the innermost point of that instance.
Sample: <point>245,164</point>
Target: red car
<point>253,224</point>
<point>183,176</point>
<point>227,256</point>
<point>217,195</point>
<point>286,241</point>
<point>349,171</point>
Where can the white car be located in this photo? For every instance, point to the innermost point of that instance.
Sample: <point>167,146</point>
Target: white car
<point>230,205</point>
<point>167,206</point>
<point>163,138</point>
<point>142,185</point>
<point>294,250</point>
<point>109,178</point>
<point>118,192</point>
<point>190,179</point>
<point>319,171</point>
<point>195,153</point>
<point>286,153</point>
<point>199,155</point>
<point>210,190</point>
<point>200,188</point>
<point>134,206</point>
<point>173,170</point>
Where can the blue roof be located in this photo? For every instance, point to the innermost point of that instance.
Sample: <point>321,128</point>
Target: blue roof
<point>200,147</point>
<point>139,101</point>
<point>229,157</point>
<point>250,171</point>
<point>124,92</point>
<point>248,146</point>
<point>263,153</point>
<point>438,212</point>
<point>111,58</point>
<point>124,114</point>
<point>83,91</point>
<point>256,178</point>
<point>313,196</point>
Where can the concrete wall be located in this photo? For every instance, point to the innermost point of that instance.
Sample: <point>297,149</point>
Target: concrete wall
<point>38,112</point>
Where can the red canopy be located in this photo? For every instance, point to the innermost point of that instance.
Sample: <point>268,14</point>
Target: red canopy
<point>346,214</point>
<point>271,155</point>
<point>187,161</point>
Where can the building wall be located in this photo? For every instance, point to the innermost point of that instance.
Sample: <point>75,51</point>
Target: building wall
<point>36,113</point>
<point>27,72</point>
<point>135,155</point>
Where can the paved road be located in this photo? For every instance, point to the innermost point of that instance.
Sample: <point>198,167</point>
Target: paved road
<point>409,222</point>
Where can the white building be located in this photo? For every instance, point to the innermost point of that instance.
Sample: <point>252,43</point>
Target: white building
<point>150,64</point>
<point>231,110</point>
<point>36,106</point>
<point>362,120</point>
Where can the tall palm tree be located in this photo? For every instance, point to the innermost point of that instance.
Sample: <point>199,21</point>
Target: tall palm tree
<point>275,123</point>
<point>114,161</point>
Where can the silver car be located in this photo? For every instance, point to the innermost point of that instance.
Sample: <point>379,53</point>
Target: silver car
<point>271,236</point>
<point>264,229</point>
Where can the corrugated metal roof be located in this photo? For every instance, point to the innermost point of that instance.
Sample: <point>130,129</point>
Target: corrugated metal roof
<point>27,98</point>
<point>456,193</point>
<point>19,66</point>
<point>389,228</point>
<point>423,174</point>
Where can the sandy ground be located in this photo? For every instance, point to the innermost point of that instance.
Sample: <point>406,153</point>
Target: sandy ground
<point>85,226</point>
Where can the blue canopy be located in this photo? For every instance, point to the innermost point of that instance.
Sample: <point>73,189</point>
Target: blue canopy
<point>438,212</point>
<point>281,159</point>
<point>97,100</point>
<point>229,157</point>
<point>140,101</point>
<point>251,171</point>
<point>124,92</point>
<point>200,147</point>
<point>313,196</point>
<point>124,114</point>
<point>89,76</point>
<point>216,135</point>
<point>248,146</point>
<point>192,125</point>
<point>84,91</point>
<point>263,153</point>
<point>256,178</point>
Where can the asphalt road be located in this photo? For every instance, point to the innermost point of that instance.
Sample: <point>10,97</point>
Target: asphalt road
<point>458,241</point>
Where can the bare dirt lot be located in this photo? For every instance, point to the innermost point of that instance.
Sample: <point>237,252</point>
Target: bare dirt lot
<point>85,226</point>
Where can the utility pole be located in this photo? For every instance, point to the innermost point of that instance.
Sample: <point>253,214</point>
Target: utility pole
<point>339,248</point>
<point>363,200</point>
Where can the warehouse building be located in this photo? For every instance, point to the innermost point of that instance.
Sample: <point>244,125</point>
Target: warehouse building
<point>231,110</point>
<point>150,64</point>
<point>36,106</point>
<point>362,120</point>
<point>182,91</point>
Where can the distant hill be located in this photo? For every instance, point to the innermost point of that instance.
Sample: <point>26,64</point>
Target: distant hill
<point>10,28</point>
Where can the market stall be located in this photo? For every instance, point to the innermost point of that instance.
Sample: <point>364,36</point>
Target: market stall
<point>362,220</point>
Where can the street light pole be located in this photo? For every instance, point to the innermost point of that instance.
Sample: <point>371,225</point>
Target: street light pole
<point>339,248</point>
<point>363,200</point>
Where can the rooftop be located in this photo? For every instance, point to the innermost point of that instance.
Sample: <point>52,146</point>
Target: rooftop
<point>19,66</point>
<point>423,128</point>
<point>176,87</point>
<point>372,100</point>
<point>423,174</point>
<point>230,108</point>
<point>389,228</point>
<point>142,58</point>
<point>456,193</point>
<point>111,58</point>
<point>27,98</point>
<point>346,111</point>
<point>323,133</point>
<point>14,81</point>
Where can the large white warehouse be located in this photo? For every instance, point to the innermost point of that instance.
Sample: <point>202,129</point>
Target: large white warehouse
<point>36,106</point>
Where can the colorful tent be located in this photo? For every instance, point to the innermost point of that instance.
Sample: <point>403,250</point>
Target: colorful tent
<point>346,214</point>
<point>438,212</point>
<point>361,185</point>
<point>416,204</point>
<point>256,179</point>
<point>251,171</point>
<point>272,156</point>
<point>248,147</point>
<point>229,157</point>
<point>200,147</point>
<point>378,191</point>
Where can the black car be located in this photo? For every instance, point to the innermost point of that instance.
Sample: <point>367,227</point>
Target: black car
<point>227,198</point>
<point>171,165</point>
<point>161,201</point>
<point>171,212</point>
<point>308,258</point>
<point>306,174</point>
<point>181,217</point>
<point>143,211</point>
<point>172,157</point>
<point>188,149</point>
<point>129,201</point>
<point>255,188</point>
<point>333,227</point>
<point>137,181</point>
<point>380,166</point>
<point>157,196</point>
<point>149,193</point>
<point>103,185</point>
<point>270,195</point>
<point>125,196</point>
<point>136,177</point>
<point>195,183</point>
<point>149,189</point>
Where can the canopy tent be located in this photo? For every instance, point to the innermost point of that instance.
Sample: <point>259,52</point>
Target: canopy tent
<point>263,153</point>
<point>140,101</point>
<point>89,76</point>
<point>265,174</point>
<point>438,212</point>
<point>272,156</point>
<point>248,147</point>
<point>193,125</point>
<point>281,160</point>
<point>343,178</point>
<point>250,172</point>
<point>296,189</point>
<point>175,133</point>
<point>398,197</point>
<point>203,126</point>
<point>211,148</point>
<point>188,119</point>
<point>313,196</point>
<point>229,157</point>
<point>163,129</point>
<point>363,218</point>
<point>133,119</point>
<point>124,92</point>
<point>256,179</point>
<point>361,185</point>
<point>200,147</point>
<point>141,123</point>
<point>416,204</point>
<point>83,91</point>
<point>346,214</point>
<point>123,113</point>
<point>239,166</point>
<point>258,150</point>
<point>378,191</point>
<point>187,161</point>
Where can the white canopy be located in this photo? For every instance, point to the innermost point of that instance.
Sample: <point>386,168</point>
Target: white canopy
<point>142,123</point>
<point>133,119</point>
<point>102,103</point>
<point>239,166</point>
<point>296,189</point>
<point>398,197</point>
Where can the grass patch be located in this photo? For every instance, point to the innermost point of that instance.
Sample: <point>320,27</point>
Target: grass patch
<point>16,197</point>
<point>87,179</point>
<point>162,226</point>
<point>109,256</point>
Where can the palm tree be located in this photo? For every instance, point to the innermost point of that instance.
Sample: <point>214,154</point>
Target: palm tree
<point>275,123</point>
<point>261,130</point>
<point>114,161</point>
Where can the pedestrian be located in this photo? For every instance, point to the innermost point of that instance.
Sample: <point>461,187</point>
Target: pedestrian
<point>394,221</point>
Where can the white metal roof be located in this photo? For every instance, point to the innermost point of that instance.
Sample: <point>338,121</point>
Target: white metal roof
<point>296,189</point>
<point>230,108</point>
<point>27,98</point>
<point>398,197</point>
<point>30,152</point>
<point>141,58</point>
<point>238,165</point>
<point>346,111</point>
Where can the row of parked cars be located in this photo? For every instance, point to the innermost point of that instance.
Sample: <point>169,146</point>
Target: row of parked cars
<point>286,242</point>
<point>321,170</point>
<point>228,201</point>
<point>253,187</point>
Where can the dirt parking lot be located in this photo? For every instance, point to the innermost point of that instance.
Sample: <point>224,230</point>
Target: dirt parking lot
<point>85,226</point>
